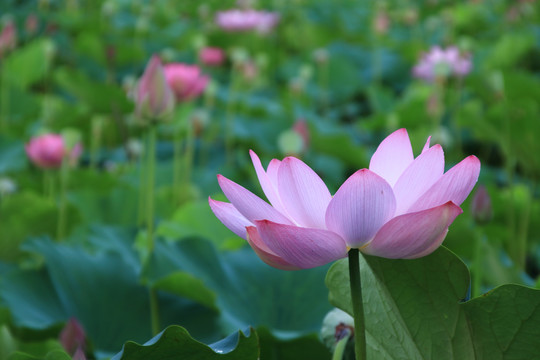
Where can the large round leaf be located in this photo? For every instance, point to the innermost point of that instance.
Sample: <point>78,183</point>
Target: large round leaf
<point>415,309</point>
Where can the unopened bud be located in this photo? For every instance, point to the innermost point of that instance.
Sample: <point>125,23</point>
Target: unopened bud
<point>481,208</point>
<point>73,336</point>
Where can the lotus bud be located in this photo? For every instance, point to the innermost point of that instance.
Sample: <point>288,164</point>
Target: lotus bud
<point>481,208</point>
<point>31,24</point>
<point>154,98</point>
<point>73,336</point>
<point>211,56</point>
<point>47,151</point>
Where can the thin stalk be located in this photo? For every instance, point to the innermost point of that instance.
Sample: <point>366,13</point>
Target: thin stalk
<point>154,312</point>
<point>150,180</point>
<point>229,114</point>
<point>4,101</point>
<point>150,173</point>
<point>477,273</point>
<point>62,215</point>
<point>188,160</point>
<point>339,351</point>
<point>358,305</point>
<point>177,163</point>
<point>142,187</point>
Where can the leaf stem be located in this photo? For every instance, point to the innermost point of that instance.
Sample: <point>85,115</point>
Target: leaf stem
<point>358,305</point>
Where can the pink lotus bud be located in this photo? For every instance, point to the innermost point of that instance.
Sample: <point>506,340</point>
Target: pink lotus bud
<point>381,23</point>
<point>8,37</point>
<point>154,98</point>
<point>73,336</point>
<point>249,70</point>
<point>186,81</point>
<point>31,24</point>
<point>301,128</point>
<point>47,151</point>
<point>79,355</point>
<point>481,208</point>
<point>212,56</point>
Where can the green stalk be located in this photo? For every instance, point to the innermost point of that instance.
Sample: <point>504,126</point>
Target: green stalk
<point>477,274</point>
<point>4,101</point>
<point>229,114</point>
<point>142,186</point>
<point>154,311</point>
<point>339,351</point>
<point>358,305</point>
<point>150,179</point>
<point>188,161</point>
<point>177,163</point>
<point>62,215</point>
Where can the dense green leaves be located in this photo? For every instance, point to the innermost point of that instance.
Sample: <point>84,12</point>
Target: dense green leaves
<point>415,309</point>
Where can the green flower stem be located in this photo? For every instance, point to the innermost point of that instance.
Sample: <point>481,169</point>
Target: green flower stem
<point>48,184</point>
<point>4,100</point>
<point>358,305</point>
<point>177,163</point>
<point>339,351</point>
<point>154,312</point>
<point>229,113</point>
<point>477,264</point>
<point>142,186</point>
<point>150,171</point>
<point>188,161</point>
<point>150,178</point>
<point>62,215</point>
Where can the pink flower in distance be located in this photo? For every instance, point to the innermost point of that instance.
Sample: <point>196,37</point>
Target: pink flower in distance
<point>442,63</point>
<point>186,81</point>
<point>401,207</point>
<point>245,20</point>
<point>154,98</point>
<point>8,37</point>
<point>47,151</point>
<point>212,56</point>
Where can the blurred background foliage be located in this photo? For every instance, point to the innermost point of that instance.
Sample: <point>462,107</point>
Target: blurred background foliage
<point>342,68</point>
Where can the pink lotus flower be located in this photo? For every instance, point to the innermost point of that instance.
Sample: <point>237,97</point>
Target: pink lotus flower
<point>8,37</point>
<point>401,207</point>
<point>245,20</point>
<point>48,151</point>
<point>186,81</point>
<point>212,56</point>
<point>442,63</point>
<point>154,99</point>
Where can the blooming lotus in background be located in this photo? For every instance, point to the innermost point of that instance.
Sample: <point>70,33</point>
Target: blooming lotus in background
<point>442,63</point>
<point>47,151</point>
<point>186,81</point>
<point>154,99</point>
<point>401,207</point>
<point>212,56</point>
<point>245,20</point>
